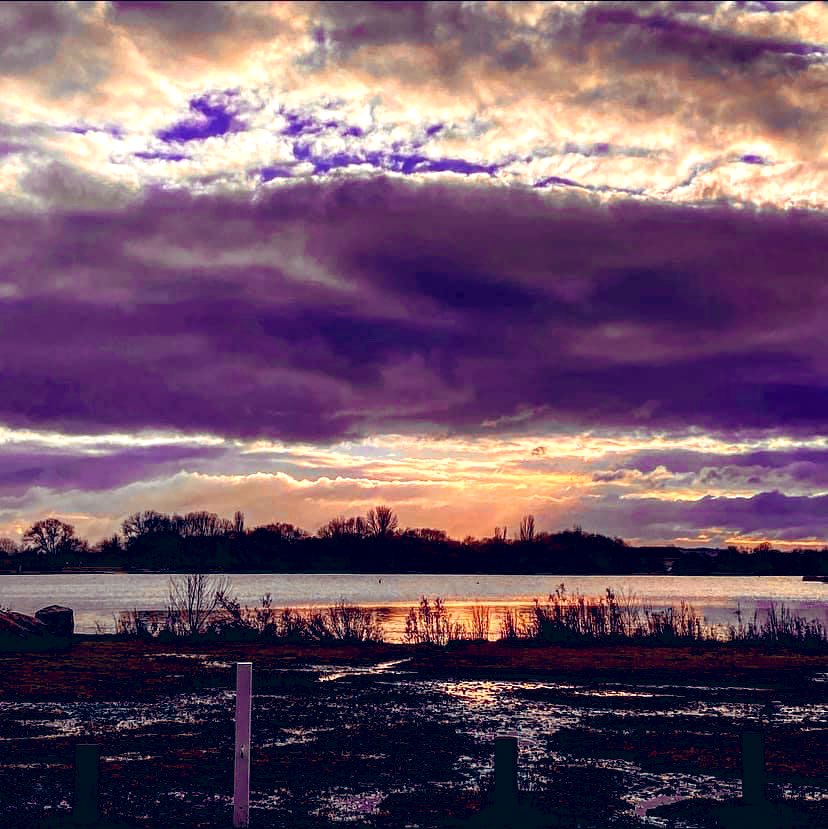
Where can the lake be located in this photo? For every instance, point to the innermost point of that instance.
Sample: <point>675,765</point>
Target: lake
<point>97,598</point>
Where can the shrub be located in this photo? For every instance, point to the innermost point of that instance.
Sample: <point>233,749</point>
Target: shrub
<point>194,602</point>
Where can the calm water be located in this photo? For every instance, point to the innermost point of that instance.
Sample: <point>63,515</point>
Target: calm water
<point>97,598</point>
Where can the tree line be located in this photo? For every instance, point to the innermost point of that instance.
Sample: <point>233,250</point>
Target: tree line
<point>375,543</point>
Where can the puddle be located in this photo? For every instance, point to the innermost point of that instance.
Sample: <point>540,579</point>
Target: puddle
<point>293,737</point>
<point>330,673</point>
<point>348,807</point>
<point>126,758</point>
<point>198,657</point>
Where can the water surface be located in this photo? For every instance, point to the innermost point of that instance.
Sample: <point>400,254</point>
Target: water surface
<point>97,598</point>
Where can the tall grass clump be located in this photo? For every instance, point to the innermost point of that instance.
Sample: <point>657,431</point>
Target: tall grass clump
<point>200,606</point>
<point>574,617</point>
<point>780,628</point>
<point>431,624</point>
<point>512,627</point>
<point>341,622</point>
<point>480,623</point>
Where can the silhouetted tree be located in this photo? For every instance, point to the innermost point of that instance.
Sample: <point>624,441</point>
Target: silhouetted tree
<point>342,527</point>
<point>427,534</point>
<point>205,542</point>
<point>284,531</point>
<point>527,528</point>
<point>201,524</point>
<point>381,521</point>
<point>110,547</point>
<point>8,546</point>
<point>145,523</point>
<point>50,537</point>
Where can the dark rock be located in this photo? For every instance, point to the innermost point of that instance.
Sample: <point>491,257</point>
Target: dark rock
<point>19,632</point>
<point>20,625</point>
<point>59,620</point>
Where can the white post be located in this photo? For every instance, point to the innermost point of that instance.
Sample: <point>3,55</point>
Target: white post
<point>241,767</point>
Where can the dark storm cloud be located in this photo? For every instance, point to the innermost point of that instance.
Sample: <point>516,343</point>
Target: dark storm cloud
<point>445,305</point>
<point>60,471</point>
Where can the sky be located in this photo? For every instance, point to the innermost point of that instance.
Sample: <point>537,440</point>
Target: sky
<point>472,260</point>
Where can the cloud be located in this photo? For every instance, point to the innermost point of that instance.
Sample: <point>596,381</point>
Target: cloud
<point>771,515</point>
<point>32,34</point>
<point>593,228</point>
<point>466,485</point>
<point>21,469</point>
<point>185,313</point>
<point>660,101</point>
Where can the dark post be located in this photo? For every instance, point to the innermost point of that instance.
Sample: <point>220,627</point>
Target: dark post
<point>753,767</point>
<point>85,807</point>
<point>506,788</point>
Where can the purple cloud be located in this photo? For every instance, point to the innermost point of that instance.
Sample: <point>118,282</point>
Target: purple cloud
<point>452,306</point>
<point>181,23</point>
<point>155,156</point>
<point>32,34</point>
<point>685,461</point>
<point>11,148</point>
<point>406,163</point>
<point>61,471</point>
<point>564,182</point>
<point>709,46</point>
<point>630,48</point>
<point>769,514</point>
<point>269,173</point>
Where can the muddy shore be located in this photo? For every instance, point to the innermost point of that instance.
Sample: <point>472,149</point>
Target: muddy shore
<point>388,735</point>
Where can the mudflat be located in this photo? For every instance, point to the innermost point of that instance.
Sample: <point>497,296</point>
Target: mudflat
<point>389,735</point>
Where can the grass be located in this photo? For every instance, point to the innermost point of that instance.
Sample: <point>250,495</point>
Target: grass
<point>563,618</point>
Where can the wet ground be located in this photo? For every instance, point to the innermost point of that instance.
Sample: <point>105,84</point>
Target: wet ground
<point>376,740</point>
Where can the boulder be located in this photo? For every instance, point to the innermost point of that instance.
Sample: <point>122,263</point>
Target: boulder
<point>59,620</point>
<point>19,632</point>
<point>19,624</point>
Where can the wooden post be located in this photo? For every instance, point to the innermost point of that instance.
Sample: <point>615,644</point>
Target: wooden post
<point>85,806</point>
<point>753,767</point>
<point>506,788</point>
<point>241,766</point>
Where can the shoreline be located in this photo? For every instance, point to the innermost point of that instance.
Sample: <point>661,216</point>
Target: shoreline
<point>114,570</point>
<point>84,670</point>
